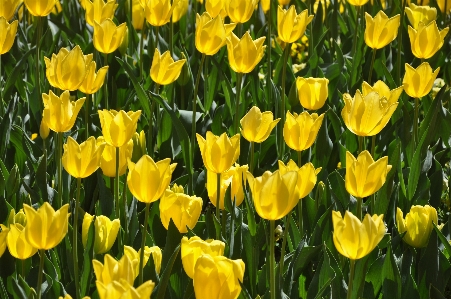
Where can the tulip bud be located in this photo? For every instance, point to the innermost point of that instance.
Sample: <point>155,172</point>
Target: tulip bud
<point>118,126</point>
<point>300,131</point>
<point>80,161</point>
<point>113,270</point>
<point>98,11</point>
<point>211,33</point>
<point>291,26</point>
<point>44,130</point>
<point>417,224</point>
<point>3,234</point>
<point>313,92</point>
<point>240,11</point>
<point>423,14</point>
<point>7,34</point>
<point>107,36</point>
<point>164,69</point>
<point>381,30</point>
<point>418,82</point>
<point>256,126</point>
<point>306,176</point>
<point>17,244</point>
<point>254,52</point>
<point>426,40</point>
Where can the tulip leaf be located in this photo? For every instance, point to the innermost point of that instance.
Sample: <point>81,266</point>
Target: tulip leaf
<point>17,71</point>
<point>17,289</point>
<point>160,290</point>
<point>87,262</point>
<point>337,186</point>
<point>443,239</point>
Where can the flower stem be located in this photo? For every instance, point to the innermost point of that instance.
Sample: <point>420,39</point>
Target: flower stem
<point>157,29</point>
<point>272,261</point>
<point>41,270</point>
<point>1,88</point>
<point>415,123</point>
<point>59,166</point>
<point>150,146</point>
<point>351,278</point>
<point>141,50</point>
<point>268,59</point>
<point>38,53</point>
<point>359,208</point>
<point>218,199</point>
<point>361,143</point>
<point>284,243</point>
<point>282,108</point>
<point>398,57</point>
<point>87,110</point>
<point>105,84</point>
<point>354,44</point>
<point>74,240</point>
<point>239,77</point>
<point>251,162</point>
<point>371,66</point>
<point>300,208</point>
<point>143,243</point>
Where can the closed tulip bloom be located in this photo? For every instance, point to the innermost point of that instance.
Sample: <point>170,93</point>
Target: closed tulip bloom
<point>105,232</point>
<point>234,178</point>
<point>291,26</point>
<point>3,235</point>
<point>218,277</point>
<point>158,12</point>
<point>299,131</point>
<point>354,239</point>
<point>98,11</point>
<point>107,36</point>
<point>381,30</point>
<point>364,176</point>
<point>184,210</point>
<point>113,270</point>
<point>418,82</point>
<point>219,152</point>
<point>138,16</point>
<point>417,224</point>
<point>123,290</point>
<point>313,92</point>
<point>108,159</point>
<point>59,112</point>
<point>180,9</point>
<point>164,70</point>
<point>244,54</point>
<point>46,228</point>
<point>215,8</point>
<point>256,126</point>
<point>87,220</point>
<point>426,40</point>
<point>240,11</point>
<point>274,194</point>
<point>40,8</point>
<point>7,35</point>
<point>357,2</point>
<point>211,33</point>
<point>423,14</point>
<point>139,146</point>
<point>67,69</point>
<point>81,160</point>
<point>148,180</point>
<point>8,8</point>
<point>17,244</point>
<point>153,251</point>
<point>93,81</point>
<point>118,127</point>
<point>367,115</point>
<point>383,90</point>
<point>193,248</point>
<point>306,176</point>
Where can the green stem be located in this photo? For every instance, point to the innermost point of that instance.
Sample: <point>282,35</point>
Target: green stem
<point>399,54</point>
<point>87,110</point>
<point>272,260</point>
<point>1,88</point>
<point>59,166</point>
<point>372,65</point>
<point>74,238</point>
<point>268,59</point>
<point>351,278</point>
<point>354,45</point>
<point>117,192</point>
<point>239,29</point>
<point>171,37</point>
<point>141,50</point>
<point>284,243</point>
<point>415,123</point>
<point>22,270</point>
<point>150,146</point>
<point>359,208</point>
<point>105,83</point>
<point>218,200</point>
<point>38,53</point>
<point>223,220</point>
<point>300,208</point>
<point>205,70</point>
<point>373,196</point>
<point>130,33</point>
<point>143,243</point>
<point>282,106</point>
<point>239,77</point>
<point>157,29</point>
<point>251,162</point>
<point>41,270</point>
<point>361,143</point>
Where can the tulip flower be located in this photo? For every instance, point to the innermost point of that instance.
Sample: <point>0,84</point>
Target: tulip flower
<point>108,159</point>
<point>367,115</point>
<point>364,176</point>
<point>8,8</point>
<point>417,225</point>
<point>195,247</point>
<point>240,11</point>
<point>218,277</point>
<point>219,152</point>
<point>313,92</point>
<point>180,9</point>
<point>138,16</point>
<point>354,239</point>
<point>40,8</point>
<point>67,296</point>
<point>283,2</point>
<point>265,5</point>
<point>291,26</point>
<point>383,90</point>
<point>184,210</point>
<point>98,11</point>
<point>17,244</point>
<point>256,126</point>
<point>274,194</point>
<point>113,270</point>
<point>158,12</point>
<point>139,146</point>
<point>93,81</point>
<point>418,82</point>
<point>123,289</point>
<point>19,218</point>
<point>148,180</point>
<point>306,176</point>
<point>81,160</point>
<point>211,33</point>
<point>46,228</point>
<point>381,30</point>
<point>155,251</point>
<point>299,131</point>
<point>105,232</point>
<point>107,36</point>
<point>426,40</point>
<point>164,70</point>
<point>233,178</point>
<point>3,235</point>
<point>423,14</point>
<point>244,54</point>
<point>357,2</point>
<point>7,34</point>
<point>118,126</point>
<point>215,8</point>
<point>59,112</point>
<point>444,4</point>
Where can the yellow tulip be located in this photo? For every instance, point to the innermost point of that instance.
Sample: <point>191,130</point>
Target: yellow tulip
<point>44,130</point>
<point>118,127</point>
<point>155,251</point>
<point>417,224</point>
<point>256,126</point>
<point>291,26</point>
<point>355,239</point>
<point>357,2</point>
<point>381,30</point>
<point>244,54</point>
<point>40,8</point>
<point>283,2</point>
<point>364,176</point>
<point>219,152</point>
<point>383,90</point>
<point>59,112</point>
<point>122,289</point>
<point>180,9</point>
<point>139,146</point>
<point>3,235</point>
<point>158,12</point>
<point>113,270</point>
<point>215,8</point>
<point>67,296</point>
<point>211,33</point>
<point>148,180</point>
<point>299,131</point>
<point>423,14</point>
<point>425,41</point>
<point>93,81</point>
<point>313,92</point>
<point>441,4</point>
<point>87,220</point>
<point>98,11</point>
<point>46,228</point>
<point>164,70</point>
<point>240,11</point>
<point>7,34</point>
<point>19,218</point>
<point>218,277</point>
<point>107,36</point>
<point>418,82</point>
<point>17,244</point>
<point>306,176</point>
<point>81,160</point>
<point>138,16</point>
<point>193,248</point>
<point>184,210</point>
<point>367,115</point>
<point>8,8</point>
<point>233,178</point>
<point>274,194</point>
<point>108,159</point>
<point>105,232</point>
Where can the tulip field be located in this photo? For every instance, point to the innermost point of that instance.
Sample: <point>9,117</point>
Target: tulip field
<point>223,149</point>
